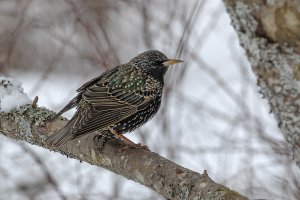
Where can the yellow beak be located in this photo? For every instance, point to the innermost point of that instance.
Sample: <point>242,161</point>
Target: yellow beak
<point>171,62</point>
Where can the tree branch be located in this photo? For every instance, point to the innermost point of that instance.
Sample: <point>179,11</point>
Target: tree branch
<point>145,167</point>
<point>269,32</point>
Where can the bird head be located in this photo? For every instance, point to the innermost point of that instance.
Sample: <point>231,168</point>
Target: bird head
<point>154,63</point>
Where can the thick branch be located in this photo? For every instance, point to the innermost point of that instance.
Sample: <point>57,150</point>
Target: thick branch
<point>269,31</point>
<point>147,168</point>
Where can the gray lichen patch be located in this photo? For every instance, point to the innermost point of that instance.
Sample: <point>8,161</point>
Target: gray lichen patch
<point>24,127</point>
<point>24,118</point>
<point>37,116</point>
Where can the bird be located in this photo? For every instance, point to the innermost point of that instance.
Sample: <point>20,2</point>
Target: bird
<point>120,100</point>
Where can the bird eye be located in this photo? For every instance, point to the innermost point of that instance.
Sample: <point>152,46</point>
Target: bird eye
<point>156,63</point>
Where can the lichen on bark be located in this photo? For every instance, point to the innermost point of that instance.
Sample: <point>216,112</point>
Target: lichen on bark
<point>269,31</point>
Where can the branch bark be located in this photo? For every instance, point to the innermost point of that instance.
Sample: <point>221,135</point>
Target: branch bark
<point>269,31</point>
<point>147,168</point>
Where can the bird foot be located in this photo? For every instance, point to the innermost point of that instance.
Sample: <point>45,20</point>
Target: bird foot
<point>129,143</point>
<point>135,146</point>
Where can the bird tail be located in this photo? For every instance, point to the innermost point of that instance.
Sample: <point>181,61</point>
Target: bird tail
<point>62,136</point>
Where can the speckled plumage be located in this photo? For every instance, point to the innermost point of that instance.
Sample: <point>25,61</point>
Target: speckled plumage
<point>121,99</point>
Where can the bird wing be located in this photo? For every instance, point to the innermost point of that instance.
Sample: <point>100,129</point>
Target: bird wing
<point>80,90</point>
<point>96,79</point>
<point>108,99</point>
<point>105,105</point>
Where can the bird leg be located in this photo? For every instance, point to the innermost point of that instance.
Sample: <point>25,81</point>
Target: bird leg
<point>128,142</point>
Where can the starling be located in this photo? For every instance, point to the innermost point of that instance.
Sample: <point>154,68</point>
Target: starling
<point>119,100</point>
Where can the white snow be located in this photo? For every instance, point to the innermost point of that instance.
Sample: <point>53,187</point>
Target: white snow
<point>11,94</point>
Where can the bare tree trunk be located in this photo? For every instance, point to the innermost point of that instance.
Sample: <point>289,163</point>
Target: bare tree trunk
<point>269,31</point>
<point>145,167</point>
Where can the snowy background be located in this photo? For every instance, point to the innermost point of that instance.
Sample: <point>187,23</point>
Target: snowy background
<point>212,117</point>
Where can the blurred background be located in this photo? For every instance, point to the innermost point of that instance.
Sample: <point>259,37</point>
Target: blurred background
<point>212,116</point>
